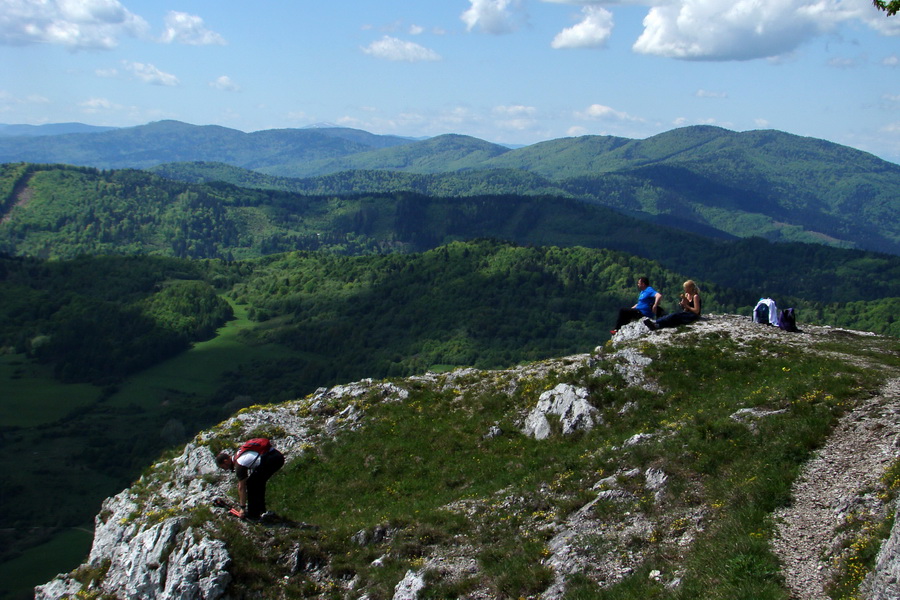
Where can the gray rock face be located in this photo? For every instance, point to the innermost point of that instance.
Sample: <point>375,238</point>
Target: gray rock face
<point>567,402</point>
<point>169,561</point>
<point>409,586</point>
<point>883,583</point>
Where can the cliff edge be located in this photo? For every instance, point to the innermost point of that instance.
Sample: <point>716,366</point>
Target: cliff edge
<point>640,464</point>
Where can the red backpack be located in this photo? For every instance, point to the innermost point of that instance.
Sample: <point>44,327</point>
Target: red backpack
<point>258,445</point>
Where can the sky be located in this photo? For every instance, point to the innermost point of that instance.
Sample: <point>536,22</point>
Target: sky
<point>513,72</point>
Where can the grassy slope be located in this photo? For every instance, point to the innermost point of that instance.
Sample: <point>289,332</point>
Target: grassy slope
<point>151,404</point>
<point>424,471</point>
<point>31,395</point>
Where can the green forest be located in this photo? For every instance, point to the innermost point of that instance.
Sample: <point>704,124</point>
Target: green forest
<point>484,303</point>
<point>119,343</point>
<point>137,309</point>
<point>65,212</point>
<point>704,179</point>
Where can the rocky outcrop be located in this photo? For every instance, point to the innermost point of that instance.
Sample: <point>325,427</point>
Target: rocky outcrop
<point>154,540</point>
<point>144,542</point>
<point>569,404</point>
<point>883,583</point>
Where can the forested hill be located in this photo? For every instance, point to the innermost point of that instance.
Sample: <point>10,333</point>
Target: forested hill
<point>307,319</point>
<point>59,212</point>
<point>763,183</point>
<point>166,141</point>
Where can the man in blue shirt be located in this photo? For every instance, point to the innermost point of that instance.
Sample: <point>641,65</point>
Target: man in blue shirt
<point>647,305</point>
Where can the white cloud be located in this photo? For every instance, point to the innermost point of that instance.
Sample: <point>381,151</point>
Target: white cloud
<point>879,21</point>
<point>96,105</point>
<point>516,110</point>
<point>150,74</point>
<point>225,84</point>
<point>592,31</point>
<point>719,30</point>
<point>709,94</point>
<point>734,30</point>
<point>601,112</point>
<point>77,24</point>
<point>494,16</point>
<point>891,61</point>
<point>516,117</point>
<point>189,29</point>
<point>31,99</point>
<point>391,48</point>
<point>416,29</point>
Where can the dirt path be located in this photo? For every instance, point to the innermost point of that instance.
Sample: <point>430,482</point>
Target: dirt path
<point>833,486</point>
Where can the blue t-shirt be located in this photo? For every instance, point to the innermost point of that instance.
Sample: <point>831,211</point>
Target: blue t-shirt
<point>646,300</point>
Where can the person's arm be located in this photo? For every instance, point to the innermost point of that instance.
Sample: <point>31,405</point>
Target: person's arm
<point>242,475</point>
<point>656,300</point>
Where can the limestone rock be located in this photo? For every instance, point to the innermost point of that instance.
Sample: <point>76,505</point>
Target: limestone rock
<point>567,402</point>
<point>409,586</point>
<point>883,583</point>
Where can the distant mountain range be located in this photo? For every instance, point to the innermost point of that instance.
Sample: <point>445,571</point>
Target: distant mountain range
<point>50,129</point>
<point>704,179</point>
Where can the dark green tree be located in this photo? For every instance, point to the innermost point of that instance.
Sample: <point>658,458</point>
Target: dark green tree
<point>891,7</point>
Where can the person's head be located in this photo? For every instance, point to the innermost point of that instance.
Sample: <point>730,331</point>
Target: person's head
<point>224,460</point>
<point>643,283</point>
<point>691,288</point>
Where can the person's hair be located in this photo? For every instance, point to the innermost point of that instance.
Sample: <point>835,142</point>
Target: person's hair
<point>644,280</point>
<point>691,287</point>
<point>221,457</point>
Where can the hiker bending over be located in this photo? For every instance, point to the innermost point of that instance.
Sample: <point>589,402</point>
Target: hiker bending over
<point>254,462</point>
<point>647,305</point>
<point>690,309</point>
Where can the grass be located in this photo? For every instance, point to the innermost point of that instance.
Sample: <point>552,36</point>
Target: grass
<point>424,471</point>
<point>196,372</point>
<point>68,431</point>
<point>31,397</point>
<point>17,576</point>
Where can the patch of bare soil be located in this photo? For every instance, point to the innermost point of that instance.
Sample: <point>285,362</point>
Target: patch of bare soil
<point>22,194</point>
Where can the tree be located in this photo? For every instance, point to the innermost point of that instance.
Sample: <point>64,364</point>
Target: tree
<point>890,6</point>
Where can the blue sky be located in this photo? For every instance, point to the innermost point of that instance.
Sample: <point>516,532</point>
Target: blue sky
<point>507,71</point>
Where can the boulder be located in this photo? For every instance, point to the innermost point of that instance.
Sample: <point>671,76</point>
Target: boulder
<point>567,402</point>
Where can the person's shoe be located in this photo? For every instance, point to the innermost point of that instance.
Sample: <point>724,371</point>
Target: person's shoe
<point>650,324</point>
<point>613,331</point>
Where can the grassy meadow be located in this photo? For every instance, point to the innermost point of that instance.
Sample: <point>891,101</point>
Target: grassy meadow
<point>424,471</point>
